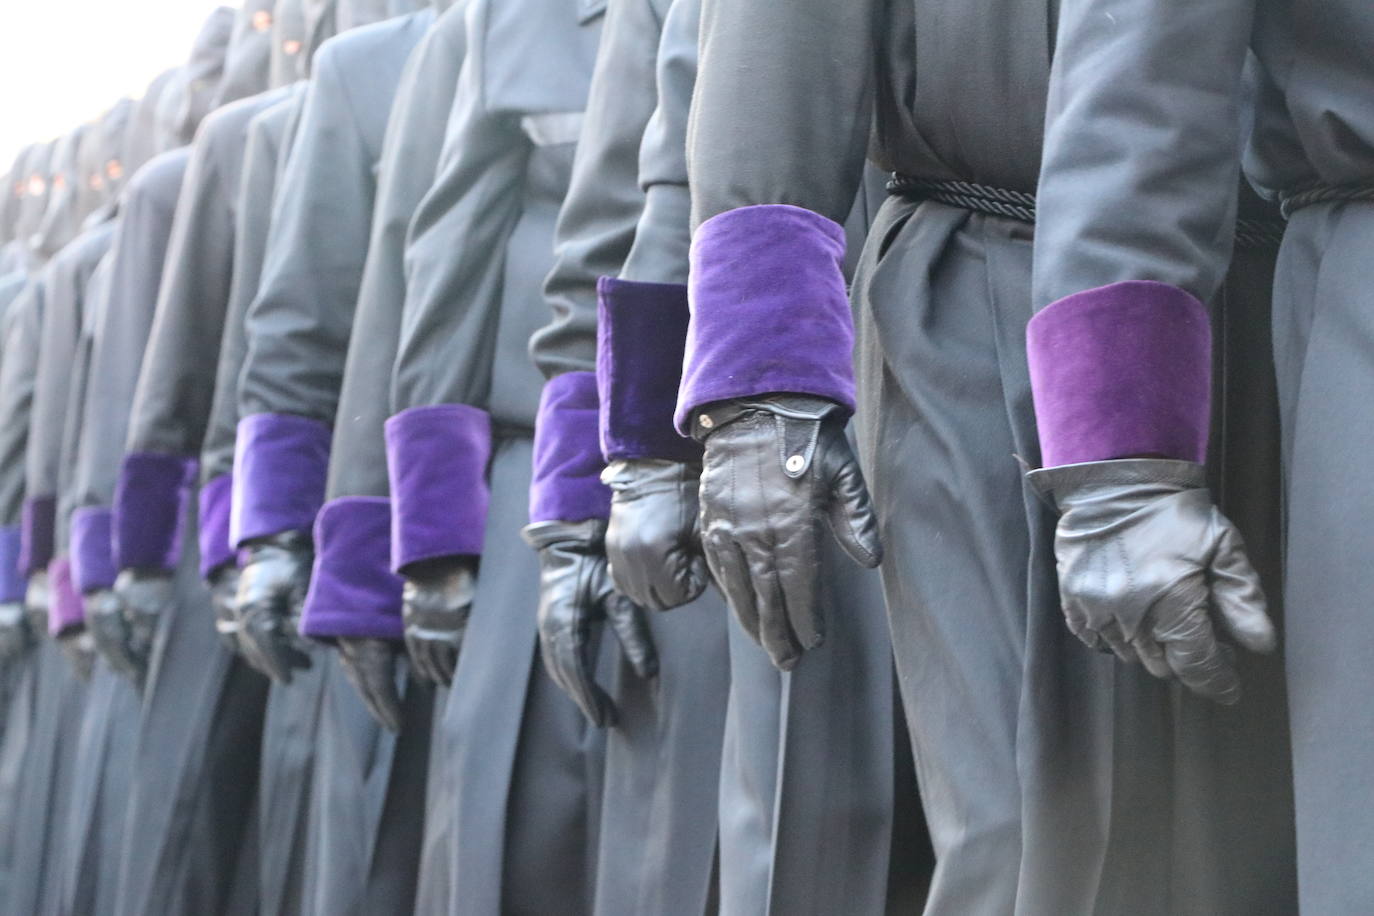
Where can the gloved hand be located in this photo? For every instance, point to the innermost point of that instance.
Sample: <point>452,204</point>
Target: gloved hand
<point>271,592</point>
<point>224,590</point>
<point>371,668</point>
<point>575,597</point>
<point>37,597</point>
<point>77,644</point>
<point>14,631</point>
<point>774,467</point>
<point>436,602</point>
<point>123,621</point>
<point>652,540</point>
<point>1147,564</point>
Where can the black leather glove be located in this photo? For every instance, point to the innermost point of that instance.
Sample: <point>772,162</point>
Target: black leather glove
<point>652,540</point>
<point>123,621</point>
<point>774,467</point>
<point>1147,564</point>
<point>15,637</point>
<point>79,648</point>
<point>224,591</point>
<point>435,603</point>
<point>575,597</point>
<point>370,665</point>
<point>37,596</point>
<point>271,592</point>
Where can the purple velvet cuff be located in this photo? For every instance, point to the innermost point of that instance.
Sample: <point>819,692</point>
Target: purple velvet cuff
<point>1119,371</point>
<point>37,521</point>
<point>770,312</point>
<point>65,610</point>
<point>149,505</point>
<point>353,591</point>
<point>567,483</point>
<point>92,549</point>
<point>216,550</point>
<point>641,332</point>
<point>437,460</point>
<point>12,584</point>
<point>280,462</point>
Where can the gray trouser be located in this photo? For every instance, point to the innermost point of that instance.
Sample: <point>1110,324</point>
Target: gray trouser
<point>1324,351</point>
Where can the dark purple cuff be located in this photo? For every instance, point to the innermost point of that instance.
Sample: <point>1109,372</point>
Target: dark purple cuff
<point>280,462</point>
<point>37,521</point>
<point>353,591</point>
<point>216,550</point>
<point>65,611</point>
<point>149,505</point>
<point>12,582</point>
<point>1119,371</point>
<point>92,549</point>
<point>770,312</point>
<point>436,459</point>
<point>641,333</point>
<point>567,483</point>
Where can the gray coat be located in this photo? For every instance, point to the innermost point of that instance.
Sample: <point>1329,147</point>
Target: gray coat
<point>479,248</point>
<point>1027,812</point>
<point>1164,213</point>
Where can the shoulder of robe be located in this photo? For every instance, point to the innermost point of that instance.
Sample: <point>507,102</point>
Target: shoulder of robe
<point>159,181</point>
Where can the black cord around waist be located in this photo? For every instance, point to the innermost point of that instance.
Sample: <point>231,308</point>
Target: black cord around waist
<point>1020,205</point>
<point>1291,202</point>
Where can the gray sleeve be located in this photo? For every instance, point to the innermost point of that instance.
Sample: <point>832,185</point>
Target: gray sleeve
<point>663,236</point>
<point>1142,145</point>
<point>784,104</point>
<point>57,342</point>
<point>18,365</point>
<point>120,329</point>
<point>298,325</point>
<point>176,381</point>
<point>252,225</point>
<point>74,429</point>
<point>596,224</point>
<point>455,255</point>
<point>410,155</point>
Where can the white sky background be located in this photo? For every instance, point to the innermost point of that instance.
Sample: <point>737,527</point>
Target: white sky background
<point>65,61</point>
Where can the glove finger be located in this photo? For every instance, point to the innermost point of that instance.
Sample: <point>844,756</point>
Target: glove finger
<point>1152,657</point>
<point>562,659</point>
<point>632,631</point>
<point>732,578</point>
<point>850,512</point>
<point>630,575</point>
<point>415,649</point>
<point>424,652</point>
<point>1195,656</point>
<point>1238,596</point>
<point>1116,641</point>
<point>689,575</point>
<point>775,630</point>
<point>797,566</point>
<point>379,693</point>
<point>265,640</point>
<point>445,663</point>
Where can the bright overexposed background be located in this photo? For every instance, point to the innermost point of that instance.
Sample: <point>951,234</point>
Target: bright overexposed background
<point>65,61</point>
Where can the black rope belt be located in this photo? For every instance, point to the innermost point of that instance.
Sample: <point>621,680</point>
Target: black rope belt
<point>1020,205</point>
<point>1293,201</point>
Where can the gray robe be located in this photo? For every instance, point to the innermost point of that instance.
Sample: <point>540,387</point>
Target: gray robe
<point>522,769</point>
<point>357,463</point>
<point>1167,218</point>
<point>195,857</point>
<point>657,837</point>
<point>1054,780</point>
<point>295,339</point>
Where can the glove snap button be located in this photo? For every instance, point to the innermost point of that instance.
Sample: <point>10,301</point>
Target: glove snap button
<point>795,463</point>
<point>705,421</point>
